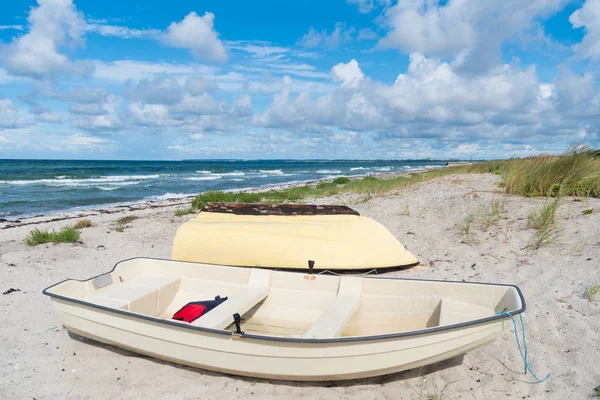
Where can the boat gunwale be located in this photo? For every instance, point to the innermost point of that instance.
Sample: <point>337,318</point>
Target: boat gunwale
<point>435,329</point>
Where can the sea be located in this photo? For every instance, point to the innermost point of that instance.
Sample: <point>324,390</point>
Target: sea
<point>40,187</point>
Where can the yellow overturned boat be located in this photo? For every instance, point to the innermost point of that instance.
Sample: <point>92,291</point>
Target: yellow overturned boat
<point>290,237</point>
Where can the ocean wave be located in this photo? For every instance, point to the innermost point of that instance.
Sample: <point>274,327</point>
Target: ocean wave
<point>202,178</point>
<point>109,179</point>
<point>328,171</point>
<point>271,171</point>
<point>235,173</point>
<point>357,168</point>
<point>202,171</point>
<point>166,196</point>
<point>383,169</point>
<point>238,179</point>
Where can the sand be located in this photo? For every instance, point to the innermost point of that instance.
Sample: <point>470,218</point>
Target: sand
<point>41,360</point>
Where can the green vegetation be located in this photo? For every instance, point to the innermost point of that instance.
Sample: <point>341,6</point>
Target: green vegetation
<point>224,197</point>
<point>123,221</point>
<point>184,211</point>
<point>486,215</point>
<point>587,212</point>
<point>596,392</point>
<point>342,180</point>
<point>82,223</point>
<point>592,293</point>
<point>574,173</point>
<point>467,223</point>
<point>544,222</point>
<point>65,235</point>
<point>126,219</point>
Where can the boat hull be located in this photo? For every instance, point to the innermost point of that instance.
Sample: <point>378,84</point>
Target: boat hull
<point>249,355</point>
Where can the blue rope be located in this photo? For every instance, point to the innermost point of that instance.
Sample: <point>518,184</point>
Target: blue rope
<point>523,351</point>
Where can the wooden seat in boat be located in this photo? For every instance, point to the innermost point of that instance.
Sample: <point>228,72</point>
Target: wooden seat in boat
<point>333,320</point>
<point>222,315</point>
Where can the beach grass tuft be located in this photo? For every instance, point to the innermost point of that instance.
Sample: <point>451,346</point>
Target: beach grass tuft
<point>544,222</point>
<point>587,212</point>
<point>342,180</point>
<point>126,219</point>
<point>184,211</point>
<point>593,292</point>
<point>121,223</point>
<point>82,223</point>
<point>65,235</point>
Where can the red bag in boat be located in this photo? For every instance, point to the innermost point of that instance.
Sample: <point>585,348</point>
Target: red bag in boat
<point>194,310</point>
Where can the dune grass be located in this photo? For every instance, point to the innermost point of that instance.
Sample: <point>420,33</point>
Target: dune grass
<point>126,219</point>
<point>593,292</point>
<point>544,222</point>
<point>121,223</point>
<point>82,223</point>
<point>65,235</point>
<point>184,211</point>
<point>576,172</point>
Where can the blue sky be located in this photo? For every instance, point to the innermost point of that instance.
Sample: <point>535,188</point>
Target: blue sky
<point>305,79</point>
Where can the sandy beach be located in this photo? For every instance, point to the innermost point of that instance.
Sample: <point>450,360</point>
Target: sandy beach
<point>41,360</point>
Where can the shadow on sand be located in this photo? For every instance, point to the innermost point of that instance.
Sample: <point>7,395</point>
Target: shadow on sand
<point>377,380</point>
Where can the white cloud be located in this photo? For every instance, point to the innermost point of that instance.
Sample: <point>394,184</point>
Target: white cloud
<point>15,27</point>
<point>122,32</point>
<point>432,101</point>
<point>339,35</point>
<point>79,139</point>
<point>196,85</point>
<point>367,34</point>
<point>155,91</point>
<point>196,34</point>
<point>4,139</point>
<point>258,49</point>
<point>349,74</point>
<point>50,117</point>
<point>366,6</point>
<point>52,25</point>
<point>123,70</point>
<point>588,17</point>
<point>470,30</point>
<point>12,117</point>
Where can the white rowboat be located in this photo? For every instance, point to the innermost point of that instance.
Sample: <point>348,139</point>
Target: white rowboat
<point>295,326</point>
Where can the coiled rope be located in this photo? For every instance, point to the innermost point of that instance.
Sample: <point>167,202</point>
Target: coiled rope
<point>523,348</point>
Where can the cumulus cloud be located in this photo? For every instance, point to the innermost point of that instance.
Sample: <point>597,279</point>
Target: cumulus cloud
<point>432,101</point>
<point>11,117</point>
<point>154,91</point>
<point>196,34</point>
<point>470,30</point>
<point>348,74</point>
<point>588,17</point>
<point>53,25</point>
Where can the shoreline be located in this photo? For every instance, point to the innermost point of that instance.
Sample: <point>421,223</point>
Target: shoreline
<point>185,201</point>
